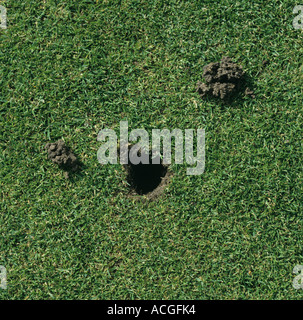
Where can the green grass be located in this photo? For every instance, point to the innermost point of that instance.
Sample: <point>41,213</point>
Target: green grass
<point>70,68</point>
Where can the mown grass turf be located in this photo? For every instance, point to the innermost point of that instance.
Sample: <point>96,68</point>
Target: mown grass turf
<point>70,68</point>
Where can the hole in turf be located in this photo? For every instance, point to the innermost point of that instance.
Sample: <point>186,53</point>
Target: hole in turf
<point>145,178</point>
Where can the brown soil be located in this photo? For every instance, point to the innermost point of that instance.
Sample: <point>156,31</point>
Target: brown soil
<point>61,155</point>
<point>222,79</point>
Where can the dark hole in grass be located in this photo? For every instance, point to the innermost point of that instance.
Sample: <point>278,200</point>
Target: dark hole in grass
<point>145,178</point>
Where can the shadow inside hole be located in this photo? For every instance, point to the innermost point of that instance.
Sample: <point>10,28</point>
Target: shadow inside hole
<point>145,178</point>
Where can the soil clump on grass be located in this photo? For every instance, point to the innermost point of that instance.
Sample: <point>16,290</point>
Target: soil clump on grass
<point>223,80</point>
<point>60,154</point>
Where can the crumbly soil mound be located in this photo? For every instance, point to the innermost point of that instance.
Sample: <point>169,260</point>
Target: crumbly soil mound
<point>61,155</point>
<point>223,79</point>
